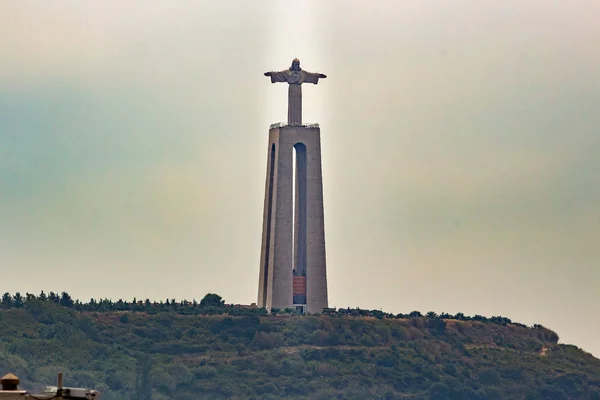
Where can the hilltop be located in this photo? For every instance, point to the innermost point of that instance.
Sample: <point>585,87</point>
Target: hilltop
<point>189,350</point>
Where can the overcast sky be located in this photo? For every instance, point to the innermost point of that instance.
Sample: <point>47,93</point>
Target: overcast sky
<point>461,150</point>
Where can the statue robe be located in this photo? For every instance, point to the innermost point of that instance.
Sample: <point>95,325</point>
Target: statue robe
<point>295,80</point>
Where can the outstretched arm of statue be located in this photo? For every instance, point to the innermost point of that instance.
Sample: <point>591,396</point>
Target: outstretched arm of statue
<point>277,76</point>
<point>310,77</point>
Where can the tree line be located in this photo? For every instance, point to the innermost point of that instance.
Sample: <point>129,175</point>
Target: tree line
<point>212,304</point>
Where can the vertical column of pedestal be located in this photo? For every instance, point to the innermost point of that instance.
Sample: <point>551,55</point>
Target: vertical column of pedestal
<point>316,280</point>
<point>266,254</point>
<point>283,226</point>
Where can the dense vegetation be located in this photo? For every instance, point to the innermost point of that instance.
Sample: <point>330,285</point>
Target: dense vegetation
<point>190,350</point>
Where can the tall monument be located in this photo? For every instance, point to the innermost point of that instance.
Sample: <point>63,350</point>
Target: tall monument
<point>292,260</point>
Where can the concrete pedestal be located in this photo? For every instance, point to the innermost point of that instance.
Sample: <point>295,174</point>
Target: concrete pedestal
<point>293,239</point>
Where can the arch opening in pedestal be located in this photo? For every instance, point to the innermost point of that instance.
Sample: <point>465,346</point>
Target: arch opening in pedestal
<point>299,259</point>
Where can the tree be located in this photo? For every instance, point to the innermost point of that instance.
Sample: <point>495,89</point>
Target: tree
<point>53,297</point>
<point>436,325</point>
<point>18,300</point>
<point>212,300</point>
<point>438,391</point>
<point>7,300</point>
<point>65,300</point>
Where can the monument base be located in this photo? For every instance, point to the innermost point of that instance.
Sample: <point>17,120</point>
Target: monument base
<point>293,225</point>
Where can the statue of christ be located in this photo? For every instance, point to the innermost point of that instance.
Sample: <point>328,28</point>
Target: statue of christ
<point>295,77</point>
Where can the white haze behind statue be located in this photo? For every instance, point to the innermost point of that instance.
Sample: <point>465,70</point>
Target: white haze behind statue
<point>460,151</point>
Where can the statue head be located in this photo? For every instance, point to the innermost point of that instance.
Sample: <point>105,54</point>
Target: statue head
<point>295,65</point>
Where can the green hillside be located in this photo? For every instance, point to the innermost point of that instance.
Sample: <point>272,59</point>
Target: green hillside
<point>183,350</point>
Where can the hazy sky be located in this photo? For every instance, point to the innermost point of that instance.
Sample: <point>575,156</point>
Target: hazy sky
<point>461,150</point>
